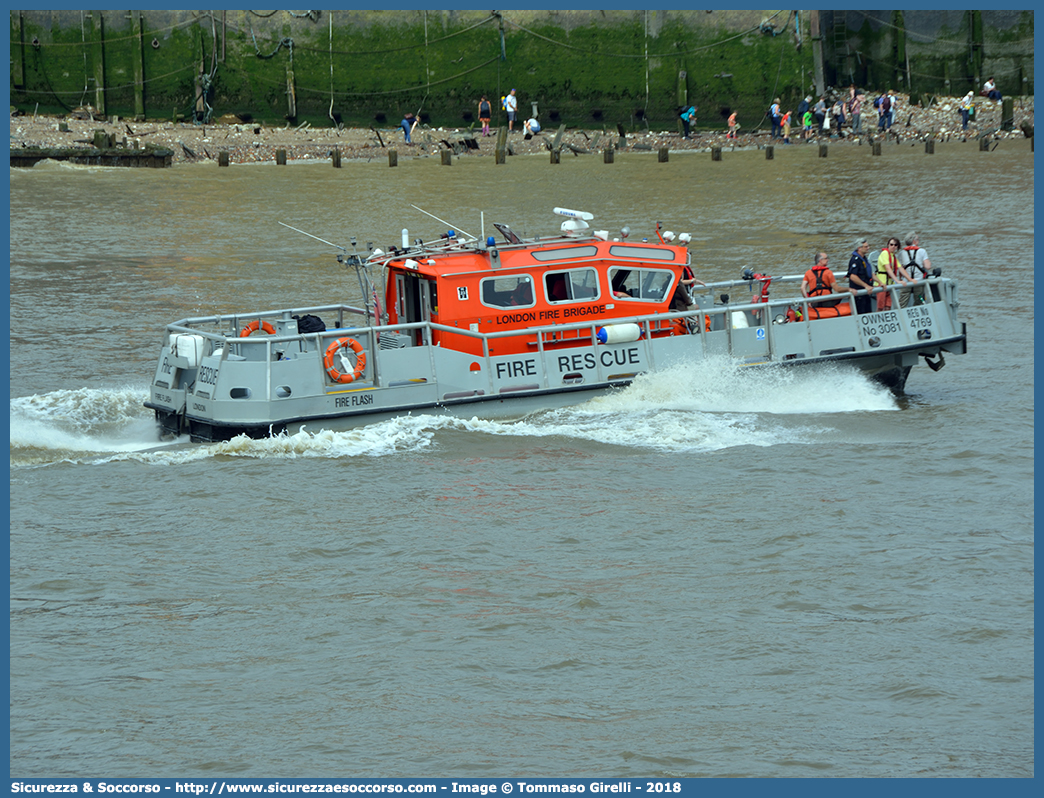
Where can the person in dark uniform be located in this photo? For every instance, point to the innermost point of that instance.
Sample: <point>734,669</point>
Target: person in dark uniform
<point>860,275</point>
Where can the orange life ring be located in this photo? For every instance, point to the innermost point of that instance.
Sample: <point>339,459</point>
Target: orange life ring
<point>360,360</point>
<point>256,325</point>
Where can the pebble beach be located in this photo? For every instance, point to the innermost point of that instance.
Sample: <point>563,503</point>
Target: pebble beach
<point>248,143</point>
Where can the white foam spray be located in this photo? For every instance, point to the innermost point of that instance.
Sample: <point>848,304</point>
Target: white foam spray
<point>697,407</point>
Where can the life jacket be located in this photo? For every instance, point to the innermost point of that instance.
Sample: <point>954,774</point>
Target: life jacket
<point>821,288</point>
<point>882,272</point>
<point>913,264</point>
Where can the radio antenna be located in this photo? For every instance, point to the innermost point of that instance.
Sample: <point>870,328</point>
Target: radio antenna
<point>448,224</point>
<point>302,232</point>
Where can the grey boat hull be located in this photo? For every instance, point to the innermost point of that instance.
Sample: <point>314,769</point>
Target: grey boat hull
<point>213,385</point>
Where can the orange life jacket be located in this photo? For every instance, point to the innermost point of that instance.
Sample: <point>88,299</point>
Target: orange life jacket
<point>822,287</point>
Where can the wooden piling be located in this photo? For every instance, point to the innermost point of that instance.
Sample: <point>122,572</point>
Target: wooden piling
<point>875,148</point>
<point>393,157</point>
<point>929,147</point>
<point>447,157</point>
<point>984,144</point>
<point>101,139</point>
<point>822,150</point>
<point>770,152</point>
<point>63,127</point>
<point>608,155</point>
<point>335,157</point>
<point>661,155</point>
<point>223,158</point>
<point>556,156</point>
<point>281,157</point>
<point>715,153</point>
<point>1007,113</point>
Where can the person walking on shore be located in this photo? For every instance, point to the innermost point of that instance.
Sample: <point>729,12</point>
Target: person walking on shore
<point>856,112</point>
<point>775,117</point>
<point>485,113</point>
<point>511,106</point>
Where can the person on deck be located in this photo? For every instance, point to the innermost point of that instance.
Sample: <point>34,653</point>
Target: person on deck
<point>819,280</point>
<point>914,259</point>
<point>890,272</point>
<point>860,275</point>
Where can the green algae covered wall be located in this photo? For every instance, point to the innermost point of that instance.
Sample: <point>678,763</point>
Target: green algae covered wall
<point>595,69</point>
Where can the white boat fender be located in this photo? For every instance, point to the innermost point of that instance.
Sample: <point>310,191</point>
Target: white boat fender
<point>739,320</point>
<point>618,333</point>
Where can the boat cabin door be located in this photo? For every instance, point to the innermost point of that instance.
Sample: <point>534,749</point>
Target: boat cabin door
<point>415,297</point>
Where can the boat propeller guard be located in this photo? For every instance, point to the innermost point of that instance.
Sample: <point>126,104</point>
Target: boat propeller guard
<point>934,365</point>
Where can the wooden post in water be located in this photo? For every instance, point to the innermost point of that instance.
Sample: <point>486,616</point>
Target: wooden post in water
<point>1007,113</point>
<point>335,157</point>
<point>984,144</point>
<point>715,153</point>
<point>101,139</point>
<point>929,147</point>
<point>96,40</point>
<point>556,144</point>
<point>223,158</point>
<point>138,63</point>
<point>875,148</point>
<point>500,151</point>
<point>822,150</point>
<point>770,152</point>
<point>661,155</point>
<point>608,155</point>
<point>556,156</point>
<point>281,157</point>
<point>447,157</point>
<point>393,157</point>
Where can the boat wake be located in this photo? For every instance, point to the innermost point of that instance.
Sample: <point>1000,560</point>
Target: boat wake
<point>74,425</point>
<point>702,407</point>
<point>715,404</point>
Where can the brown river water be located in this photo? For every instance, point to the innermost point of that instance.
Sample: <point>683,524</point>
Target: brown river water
<point>709,573</point>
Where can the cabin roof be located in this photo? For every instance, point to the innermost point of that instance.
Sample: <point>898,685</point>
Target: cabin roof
<point>455,259</point>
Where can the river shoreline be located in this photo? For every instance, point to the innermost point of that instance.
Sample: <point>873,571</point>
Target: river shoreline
<point>256,143</point>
